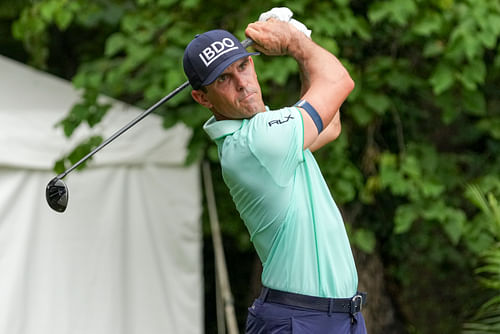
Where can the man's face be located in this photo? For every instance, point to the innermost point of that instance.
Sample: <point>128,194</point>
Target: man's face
<point>235,94</point>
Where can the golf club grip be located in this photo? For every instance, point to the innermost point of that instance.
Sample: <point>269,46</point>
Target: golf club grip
<point>246,43</point>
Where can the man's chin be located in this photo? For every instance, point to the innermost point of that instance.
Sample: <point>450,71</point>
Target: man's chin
<point>254,105</point>
<point>255,110</point>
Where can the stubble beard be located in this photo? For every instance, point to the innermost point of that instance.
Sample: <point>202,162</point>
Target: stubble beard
<point>254,103</point>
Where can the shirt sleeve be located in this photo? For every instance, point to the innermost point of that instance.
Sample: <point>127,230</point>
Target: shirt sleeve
<point>276,138</point>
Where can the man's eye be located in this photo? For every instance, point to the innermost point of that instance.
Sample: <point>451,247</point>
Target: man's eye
<point>243,65</point>
<point>222,78</point>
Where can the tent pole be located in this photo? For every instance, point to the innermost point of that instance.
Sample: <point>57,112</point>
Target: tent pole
<point>220,260</point>
<point>219,303</point>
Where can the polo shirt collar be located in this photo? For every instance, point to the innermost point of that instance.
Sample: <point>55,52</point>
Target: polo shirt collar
<point>218,129</point>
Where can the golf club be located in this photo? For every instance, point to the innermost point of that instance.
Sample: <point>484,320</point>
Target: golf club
<point>57,193</point>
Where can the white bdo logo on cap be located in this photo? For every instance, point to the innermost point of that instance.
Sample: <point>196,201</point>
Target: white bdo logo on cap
<point>217,49</point>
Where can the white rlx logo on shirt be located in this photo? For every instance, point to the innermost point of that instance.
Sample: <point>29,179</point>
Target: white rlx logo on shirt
<point>217,49</point>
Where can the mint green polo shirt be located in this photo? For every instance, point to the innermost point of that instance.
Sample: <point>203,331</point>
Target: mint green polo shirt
<point>283,199</point>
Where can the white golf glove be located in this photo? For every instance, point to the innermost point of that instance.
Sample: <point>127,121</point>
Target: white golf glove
<point>285,14</point>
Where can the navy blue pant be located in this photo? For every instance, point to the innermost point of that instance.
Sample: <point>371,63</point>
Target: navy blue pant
<point>270,318</point>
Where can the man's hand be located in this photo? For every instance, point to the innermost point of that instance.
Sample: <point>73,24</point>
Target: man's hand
<point>285,14</point>
<point>272,37</point>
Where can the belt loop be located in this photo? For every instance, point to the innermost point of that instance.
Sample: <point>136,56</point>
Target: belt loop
<point>265,293</point>
<point>330,306</point>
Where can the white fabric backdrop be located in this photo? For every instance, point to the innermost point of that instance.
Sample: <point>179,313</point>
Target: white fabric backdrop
<point>125,257</point>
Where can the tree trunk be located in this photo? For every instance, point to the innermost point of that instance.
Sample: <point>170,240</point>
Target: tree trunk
<point>380,315</point>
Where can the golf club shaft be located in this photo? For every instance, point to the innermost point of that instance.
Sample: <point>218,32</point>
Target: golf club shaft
<point>125,128</point>
<point>246,43</point>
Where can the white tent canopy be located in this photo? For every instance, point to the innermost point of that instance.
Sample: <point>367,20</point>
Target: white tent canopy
<point>125,257</point>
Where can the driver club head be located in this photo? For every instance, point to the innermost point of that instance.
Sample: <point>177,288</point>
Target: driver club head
<point>56,194</point>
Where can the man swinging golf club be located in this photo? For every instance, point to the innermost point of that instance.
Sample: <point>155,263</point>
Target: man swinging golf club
<point>309,277</point>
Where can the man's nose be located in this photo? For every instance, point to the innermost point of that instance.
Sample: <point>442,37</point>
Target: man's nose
<point>241,82</point>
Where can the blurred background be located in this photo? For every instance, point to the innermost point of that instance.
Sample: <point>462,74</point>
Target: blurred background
<point>415,171</point>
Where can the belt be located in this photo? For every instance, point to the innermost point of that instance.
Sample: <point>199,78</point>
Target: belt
<point>331,305</point>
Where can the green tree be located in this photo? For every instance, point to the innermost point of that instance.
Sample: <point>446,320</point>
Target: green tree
<point>486,224</point>
<point>422,122</point>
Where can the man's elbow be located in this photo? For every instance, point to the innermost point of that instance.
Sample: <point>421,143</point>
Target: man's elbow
<point>337,129</point>
<point>343,87</point>
<point>349,83</point>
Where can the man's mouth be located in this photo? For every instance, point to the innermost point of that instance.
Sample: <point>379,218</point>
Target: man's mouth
<point>247,96</point>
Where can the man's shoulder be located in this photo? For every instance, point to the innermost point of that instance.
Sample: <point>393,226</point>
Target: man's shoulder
<point>219,129</point>
<point>274,118</point>
<point>275,133</point>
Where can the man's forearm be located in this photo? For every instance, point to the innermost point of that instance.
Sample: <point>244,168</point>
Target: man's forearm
<point>322,75</point>
<point>329,134</point>
<point>325,81</point>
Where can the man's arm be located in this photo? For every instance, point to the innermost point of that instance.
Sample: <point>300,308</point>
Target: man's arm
<point>329,133</point>
<point>325,81</point>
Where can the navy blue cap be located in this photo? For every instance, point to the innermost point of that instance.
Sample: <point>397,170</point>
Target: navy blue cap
<point>209,54</point>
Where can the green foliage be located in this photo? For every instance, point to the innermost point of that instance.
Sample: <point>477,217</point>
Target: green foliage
<point>343,177</point>
<point>487,318</point>
<point>397,12</point>
<point>35,20</point>
<point>422,122</point>
<point>89,110</point>
<point>363,239</point>
<point>80,151</point>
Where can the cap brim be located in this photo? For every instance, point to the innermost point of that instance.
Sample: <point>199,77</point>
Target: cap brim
<point>222,66</point>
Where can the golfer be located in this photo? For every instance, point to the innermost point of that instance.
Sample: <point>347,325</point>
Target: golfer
<point>309,277</point>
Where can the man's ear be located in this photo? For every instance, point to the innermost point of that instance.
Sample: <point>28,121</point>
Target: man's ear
<point>201,97</point>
